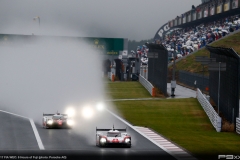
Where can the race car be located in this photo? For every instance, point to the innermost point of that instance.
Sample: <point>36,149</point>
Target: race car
<point>56,121</point>
<point>113,137</point>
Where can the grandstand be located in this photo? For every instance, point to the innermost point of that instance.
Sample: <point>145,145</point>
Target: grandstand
<point>197,28</point>
<point>194,29</point>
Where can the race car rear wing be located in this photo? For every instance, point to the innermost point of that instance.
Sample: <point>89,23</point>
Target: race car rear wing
<point>47,114</point>
<point>52,114</point>
<point>124,130</point>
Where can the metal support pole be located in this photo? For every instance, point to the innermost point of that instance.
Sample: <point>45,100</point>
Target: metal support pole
<point>203,79</point>
<point>233,116</point>
<point>219,86</point>
<point>173,76</point>
<point>173,83</point>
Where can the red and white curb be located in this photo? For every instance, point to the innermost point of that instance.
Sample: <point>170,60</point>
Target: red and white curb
<point>177,152</point>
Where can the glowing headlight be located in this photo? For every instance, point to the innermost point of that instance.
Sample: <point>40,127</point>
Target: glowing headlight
<point>50,122</point>
<point>103,140</point>
<point>127,140</point>
<point>87,112</point>
<point>70,112</point>
<point>100,106</point>
<point>70,122</point>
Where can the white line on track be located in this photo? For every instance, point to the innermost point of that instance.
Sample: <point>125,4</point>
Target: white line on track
<point>39,141</point>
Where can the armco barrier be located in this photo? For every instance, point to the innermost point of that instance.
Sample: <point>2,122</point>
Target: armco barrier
<point>144,71</point>
<point>238,125</point>
<point>111,76</point>
<point>147,85</point>
<point>212,114</point>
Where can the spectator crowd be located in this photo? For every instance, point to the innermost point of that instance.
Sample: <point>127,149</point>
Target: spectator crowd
<point>187,40</point>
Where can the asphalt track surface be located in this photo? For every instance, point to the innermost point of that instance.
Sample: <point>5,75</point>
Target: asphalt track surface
<point>17,138</point>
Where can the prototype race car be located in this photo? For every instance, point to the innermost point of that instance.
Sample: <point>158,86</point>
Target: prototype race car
<point>56,121</point>
<point>113,137</point>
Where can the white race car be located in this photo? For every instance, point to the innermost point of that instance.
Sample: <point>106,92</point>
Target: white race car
<point>56,121</point>
<point>113,137</point>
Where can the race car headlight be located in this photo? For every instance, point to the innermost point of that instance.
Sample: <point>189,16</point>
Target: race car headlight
<point>103,140</point>
<point>50,122</point>
<point>127,140</point>
<point>100,106</point>
<point>87,112</point>
<point>70,122</point>
<point>70,111</point>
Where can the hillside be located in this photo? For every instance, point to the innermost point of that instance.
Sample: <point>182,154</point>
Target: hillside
<point>189,64</point>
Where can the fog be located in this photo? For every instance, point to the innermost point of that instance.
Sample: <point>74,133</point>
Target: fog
<point>132,19</point>
<point>41,74</point>
<point>47,75</point>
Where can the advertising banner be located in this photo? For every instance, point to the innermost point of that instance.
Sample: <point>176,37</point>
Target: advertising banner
<point>205,12</point>
<point>219,9</point>
<point>172,22</point>
<point>175,22</point>
<point>161,32</point>
<point>106,46</point>
<point>199,14</point>
<point>169,23</point>
<point>194,15</point>
<point>226,6</point>
<point>212,10</point>
<point>235,4</point>
<point>189,17</point>
<point>184,18</point>
<point>179,20</point>
<point>109,46</point>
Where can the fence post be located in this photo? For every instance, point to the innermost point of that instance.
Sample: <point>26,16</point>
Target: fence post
<point>144,72</point>
<point>112,77</point>
<point>147,72</point>
<point>219,124</point>
<point>153,92</point>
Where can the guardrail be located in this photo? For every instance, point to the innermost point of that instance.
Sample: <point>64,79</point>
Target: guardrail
<point>144,71</point>
<point>212,114</point>
<point>238,125</point>
<point>147,85</point>
<point>111,76</point>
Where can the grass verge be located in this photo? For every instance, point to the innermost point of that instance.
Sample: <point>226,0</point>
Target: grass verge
<point>123,90</point>
<point>182,121</point>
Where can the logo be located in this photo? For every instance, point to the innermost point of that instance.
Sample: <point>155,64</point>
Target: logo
<point>228,157</point>
<point>96,41</point>
<point>212,11</point>
<point>163,30</point>
<point>5,38</point>
<point>97,45</point>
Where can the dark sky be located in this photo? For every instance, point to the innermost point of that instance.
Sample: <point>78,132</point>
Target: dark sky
<point>132,19</point>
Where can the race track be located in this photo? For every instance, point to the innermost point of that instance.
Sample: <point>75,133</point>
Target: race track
<point>17,138</point>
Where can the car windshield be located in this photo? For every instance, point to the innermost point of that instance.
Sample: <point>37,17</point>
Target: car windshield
<point>59,117</point>
<point>109,134</point>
